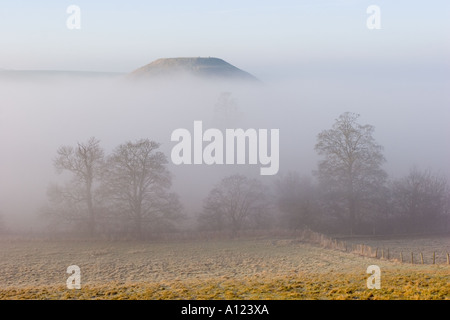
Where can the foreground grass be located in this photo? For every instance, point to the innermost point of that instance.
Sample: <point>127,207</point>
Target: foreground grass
<point>213,270</point>
<point>412,285</point>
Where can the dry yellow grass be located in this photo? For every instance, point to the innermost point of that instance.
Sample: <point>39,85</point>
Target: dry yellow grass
<point>229,269</point>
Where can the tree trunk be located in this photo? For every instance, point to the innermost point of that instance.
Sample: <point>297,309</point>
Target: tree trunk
<point>235,228</point>
<point>351,207</point>
<point>352,214</point>
<point>138,226</point>
<point>138,218</point>
<point>90,206</point>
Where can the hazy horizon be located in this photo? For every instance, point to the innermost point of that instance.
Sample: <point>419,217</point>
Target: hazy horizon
<point>55,113</point>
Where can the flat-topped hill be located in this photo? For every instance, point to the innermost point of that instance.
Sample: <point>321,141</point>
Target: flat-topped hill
<point>198,67</point>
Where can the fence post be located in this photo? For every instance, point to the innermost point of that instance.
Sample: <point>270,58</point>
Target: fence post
<point>382,253</point>
<point>401,256</point>
<point>421,257</point>
<point>434,257</point>
<point>412,258</point>
<point>448,258</point>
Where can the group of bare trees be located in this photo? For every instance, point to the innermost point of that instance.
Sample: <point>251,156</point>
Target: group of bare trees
<point>127,192</point>
<point>353,193</point>
<point>350,194</point>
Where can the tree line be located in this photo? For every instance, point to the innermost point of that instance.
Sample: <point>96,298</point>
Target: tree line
<point>128,192</point>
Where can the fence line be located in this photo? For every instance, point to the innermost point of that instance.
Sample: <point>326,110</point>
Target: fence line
<point>366,250</point>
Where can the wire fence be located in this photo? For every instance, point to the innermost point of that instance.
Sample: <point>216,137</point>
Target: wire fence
<point>378,252</point>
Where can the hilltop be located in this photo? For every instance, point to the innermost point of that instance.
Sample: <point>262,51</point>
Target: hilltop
<point>206,68</point>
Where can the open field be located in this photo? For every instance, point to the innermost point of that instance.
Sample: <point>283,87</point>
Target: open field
<point>222,269</point>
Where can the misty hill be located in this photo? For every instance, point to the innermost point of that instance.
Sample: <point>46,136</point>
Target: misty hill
<point>205,68</point>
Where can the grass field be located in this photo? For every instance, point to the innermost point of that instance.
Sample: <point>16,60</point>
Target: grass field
<point>222,269</point>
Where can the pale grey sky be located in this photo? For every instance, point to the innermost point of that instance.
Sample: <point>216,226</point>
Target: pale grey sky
<point>263,37</point>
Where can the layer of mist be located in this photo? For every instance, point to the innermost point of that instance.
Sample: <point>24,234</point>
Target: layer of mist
<point>39,115</point>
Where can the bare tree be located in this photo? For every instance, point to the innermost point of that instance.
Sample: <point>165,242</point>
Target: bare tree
<point>421,201</point>
<point>351,170</point>
<point>297,200</point>
<point>75,201</point>
<point>233,202</point>
<point>137,183</point>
